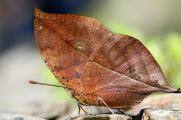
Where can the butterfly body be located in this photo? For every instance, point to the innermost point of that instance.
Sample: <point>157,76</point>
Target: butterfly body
<point>96,64</point>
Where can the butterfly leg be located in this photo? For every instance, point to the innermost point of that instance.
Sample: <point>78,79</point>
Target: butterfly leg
<point>79,115</point>
<point>81,108</point>
<point>105,104</point>
<point>78,105</point>
<point>122,112</point>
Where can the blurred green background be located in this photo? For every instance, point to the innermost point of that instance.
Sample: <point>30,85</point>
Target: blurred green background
<point>156,23</point>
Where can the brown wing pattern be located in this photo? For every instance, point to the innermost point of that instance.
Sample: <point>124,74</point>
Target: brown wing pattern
<point>93,62</point>
<point>128,56</point>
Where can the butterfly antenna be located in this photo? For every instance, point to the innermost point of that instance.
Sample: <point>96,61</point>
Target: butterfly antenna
<point>46,84</point>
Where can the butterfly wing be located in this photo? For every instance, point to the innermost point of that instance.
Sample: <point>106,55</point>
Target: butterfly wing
<point>93,62</point>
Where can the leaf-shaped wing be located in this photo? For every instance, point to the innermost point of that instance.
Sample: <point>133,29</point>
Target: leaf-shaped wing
<point>93,62</point>
<point>126,55</point>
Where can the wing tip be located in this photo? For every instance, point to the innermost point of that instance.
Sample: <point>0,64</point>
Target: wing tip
<point>38,13</point>
<point>172,90</point>
<point>178,90</point>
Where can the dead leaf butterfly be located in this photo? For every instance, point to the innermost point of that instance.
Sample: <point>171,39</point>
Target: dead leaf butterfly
<point>99,67</point>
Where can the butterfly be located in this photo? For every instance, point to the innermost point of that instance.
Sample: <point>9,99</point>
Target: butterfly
<point>97,66</point>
